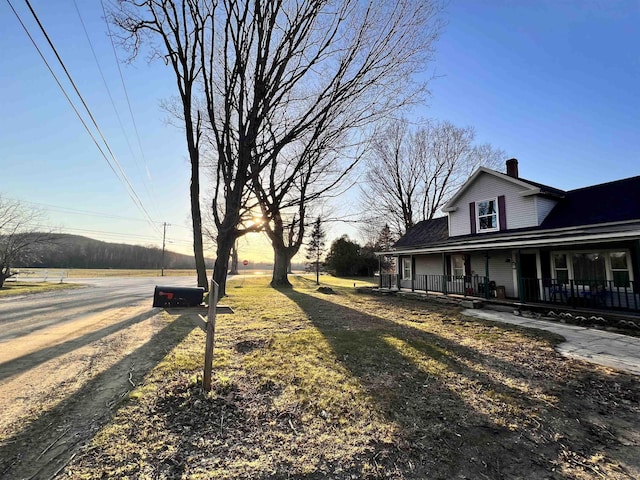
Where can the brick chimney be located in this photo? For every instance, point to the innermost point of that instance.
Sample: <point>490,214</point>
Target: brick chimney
<point>512,167</point>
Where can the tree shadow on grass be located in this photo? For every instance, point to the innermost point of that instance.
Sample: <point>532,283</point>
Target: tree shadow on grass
<point>455,421</point>
<point>45,445</point>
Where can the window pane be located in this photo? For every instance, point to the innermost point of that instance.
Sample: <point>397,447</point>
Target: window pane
<point>562,276</point>
<point>406,268</point>
<point>487,222</point>
<point>619,261</point>
<point>620,278</point>
<point>560,260</point>
<point>589,267</point>
<point>483,208</point>
<point>492,206</point>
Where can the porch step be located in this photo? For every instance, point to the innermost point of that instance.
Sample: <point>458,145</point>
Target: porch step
<point>464,302</point>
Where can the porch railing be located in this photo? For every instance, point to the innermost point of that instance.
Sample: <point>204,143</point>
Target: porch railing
<point>468,285</point>
<point>588,293</point>
<point>595,294</point>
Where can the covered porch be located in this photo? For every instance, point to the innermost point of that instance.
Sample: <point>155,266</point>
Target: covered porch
<point>598,276</point>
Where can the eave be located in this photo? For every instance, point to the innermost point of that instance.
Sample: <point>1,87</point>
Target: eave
<point>531,239</point>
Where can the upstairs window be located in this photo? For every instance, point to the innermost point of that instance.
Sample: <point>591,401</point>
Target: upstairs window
<point>488,215</point>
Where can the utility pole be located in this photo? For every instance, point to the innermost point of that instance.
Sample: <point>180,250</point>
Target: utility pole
<point>164,236</point>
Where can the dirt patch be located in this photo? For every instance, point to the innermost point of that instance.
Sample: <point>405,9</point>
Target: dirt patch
<point>247,346</point>
<point>59,385</point>
<point>326,290</point>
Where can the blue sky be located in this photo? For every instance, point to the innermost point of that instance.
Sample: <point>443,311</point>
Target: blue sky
<point>553,83</point>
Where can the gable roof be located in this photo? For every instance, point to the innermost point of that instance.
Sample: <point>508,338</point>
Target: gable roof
<point>617,201</point>
<point>580,212</point>
<point>532,188</point>
<point>425,232</point>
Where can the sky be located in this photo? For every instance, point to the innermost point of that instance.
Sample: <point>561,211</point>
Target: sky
<point>555,84</point>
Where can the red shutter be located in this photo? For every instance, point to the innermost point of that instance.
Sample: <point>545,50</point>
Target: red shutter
<point>472,217</point>
<point>502,213</point>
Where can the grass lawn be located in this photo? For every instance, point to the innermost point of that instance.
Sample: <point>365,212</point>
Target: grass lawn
<point>347,386</point>
<point>22,288</point>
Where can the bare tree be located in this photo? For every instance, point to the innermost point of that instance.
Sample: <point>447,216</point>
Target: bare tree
<point>19,235</point>
<point>279,76</point>
<point>338,68</point>
<point>412,172</point>
<point>169,31</point>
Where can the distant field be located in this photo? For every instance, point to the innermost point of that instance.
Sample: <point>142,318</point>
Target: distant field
<point>55,274</point>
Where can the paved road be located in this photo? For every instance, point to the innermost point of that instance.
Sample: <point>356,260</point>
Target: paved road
<point>25,314</point>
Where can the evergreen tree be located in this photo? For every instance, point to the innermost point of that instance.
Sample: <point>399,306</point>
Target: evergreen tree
<point>384,242</point>
<point>315,248</point>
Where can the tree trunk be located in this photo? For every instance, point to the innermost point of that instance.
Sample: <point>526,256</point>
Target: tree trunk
<point>282,259</point>
<point>5,272</point>
<point>220,268</point>
<point>234,260</point>
<point>196,220</point>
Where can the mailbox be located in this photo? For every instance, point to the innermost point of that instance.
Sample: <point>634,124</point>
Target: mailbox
<point>177,296</point>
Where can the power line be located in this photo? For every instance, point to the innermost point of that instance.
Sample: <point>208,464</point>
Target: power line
<point>104,80</point>
<point>126,93</point>
<point>75,211</point>
<point>122,177</point>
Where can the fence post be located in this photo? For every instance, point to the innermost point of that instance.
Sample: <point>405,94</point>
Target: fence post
<point>211,330</point>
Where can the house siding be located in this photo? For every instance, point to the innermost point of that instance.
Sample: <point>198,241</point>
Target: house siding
<point>500,271</point>
<point>544,206</point>
<point>429,264</point>
<point>521,211</point>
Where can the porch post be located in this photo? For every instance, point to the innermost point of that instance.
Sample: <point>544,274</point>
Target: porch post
<point>521,295</point>
<point>444,273</point>
<point>413,273</point>
<point>380,270</point>
<point>486,274</point>
<point>400,270</point>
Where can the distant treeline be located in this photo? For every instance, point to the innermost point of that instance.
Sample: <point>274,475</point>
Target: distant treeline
<point>74,251</point>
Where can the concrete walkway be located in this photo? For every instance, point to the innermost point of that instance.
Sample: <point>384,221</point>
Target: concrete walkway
<point>613,350</point>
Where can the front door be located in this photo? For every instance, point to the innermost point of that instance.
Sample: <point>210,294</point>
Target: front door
<point>529,275</point>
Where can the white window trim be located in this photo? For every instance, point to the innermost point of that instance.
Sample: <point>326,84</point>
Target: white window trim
<point>488,230</point>
<point>404,263</point>
<point>453,265</point>
<point>607,262</point>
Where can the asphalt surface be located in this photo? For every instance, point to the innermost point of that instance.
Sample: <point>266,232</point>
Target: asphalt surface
<point>21,315</point>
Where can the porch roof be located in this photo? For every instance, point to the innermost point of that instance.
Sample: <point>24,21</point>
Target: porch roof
<point>528,238</point>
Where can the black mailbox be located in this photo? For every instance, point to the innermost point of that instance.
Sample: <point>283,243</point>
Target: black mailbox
<point>177,296</point>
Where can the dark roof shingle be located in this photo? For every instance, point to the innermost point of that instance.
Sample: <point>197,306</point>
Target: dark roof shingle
<point>616,201</point>
<point>425,232</point>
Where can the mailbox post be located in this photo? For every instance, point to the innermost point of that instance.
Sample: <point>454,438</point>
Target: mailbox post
<point>211,331</point>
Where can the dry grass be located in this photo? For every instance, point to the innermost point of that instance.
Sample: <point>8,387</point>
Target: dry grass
<point>23,288</point>
<point>346,386</point>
